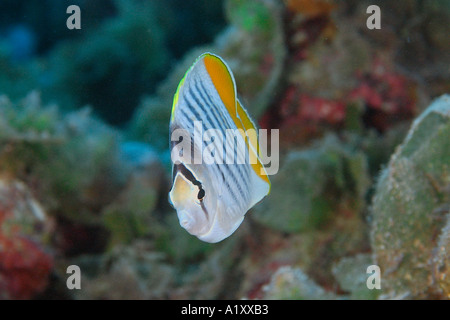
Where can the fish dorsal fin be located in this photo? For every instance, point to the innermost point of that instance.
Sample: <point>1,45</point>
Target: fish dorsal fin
<point>225,85</point>
<point>180,85</point>
<point>222,79</point>
<point>175,97</point>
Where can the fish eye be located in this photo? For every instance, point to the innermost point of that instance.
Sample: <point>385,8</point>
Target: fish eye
<point>201,194</point>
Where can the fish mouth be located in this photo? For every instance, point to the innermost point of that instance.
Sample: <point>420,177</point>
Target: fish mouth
<point>187,221</point>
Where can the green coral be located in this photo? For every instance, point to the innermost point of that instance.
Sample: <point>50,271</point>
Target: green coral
<point>128,217</point>
<point>112,66</point>
<point>67,155</point>
<point>318,180</point>
<point>251,16</point>
<point>33,123</point>
<point>254,48</point>
<point>76,167</point>
<point>408,211</point>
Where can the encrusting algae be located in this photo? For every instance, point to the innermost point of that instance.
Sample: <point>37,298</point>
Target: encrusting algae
<point>364,125</point>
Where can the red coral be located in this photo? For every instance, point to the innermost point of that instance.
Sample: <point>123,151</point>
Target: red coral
<point>24,268</point>
<point>387,96</point>
<point>300,115</point>
<point>313,111</point>
<point>368,94</point>
<point>320,110</point>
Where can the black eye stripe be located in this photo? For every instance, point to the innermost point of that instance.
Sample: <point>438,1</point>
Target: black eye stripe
<point>189,176</point>
<point>186,173</point>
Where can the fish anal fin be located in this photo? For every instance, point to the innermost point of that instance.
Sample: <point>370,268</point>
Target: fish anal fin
<point>251,141</point>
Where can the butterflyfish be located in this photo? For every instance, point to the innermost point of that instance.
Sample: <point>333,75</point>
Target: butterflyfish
<point>212,197</point>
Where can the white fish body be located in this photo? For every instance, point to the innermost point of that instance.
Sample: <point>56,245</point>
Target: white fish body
<point>211,199</point>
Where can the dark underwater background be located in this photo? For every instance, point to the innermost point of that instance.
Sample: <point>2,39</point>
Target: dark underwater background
<point>364,120</point>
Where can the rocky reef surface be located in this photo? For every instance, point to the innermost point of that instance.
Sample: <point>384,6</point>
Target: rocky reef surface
<point>364,178</point>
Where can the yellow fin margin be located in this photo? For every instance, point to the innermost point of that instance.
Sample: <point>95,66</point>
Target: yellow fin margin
<point>223,81</point>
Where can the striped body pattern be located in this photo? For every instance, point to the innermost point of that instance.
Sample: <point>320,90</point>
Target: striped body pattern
<point>212,197</point>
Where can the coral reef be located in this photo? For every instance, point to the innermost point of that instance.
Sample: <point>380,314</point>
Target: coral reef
<point>98,68</point>
<point>25,264</point>
<point>128,217</point>
<point>364,176</point>
<point>132,272</point>
<point>351,278</point>
<point>321,178</point>
<point>441,260</point>
<point>411,205</point>
<point>122,51</point>
<point>289,283</point>
<point>89,181</point>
